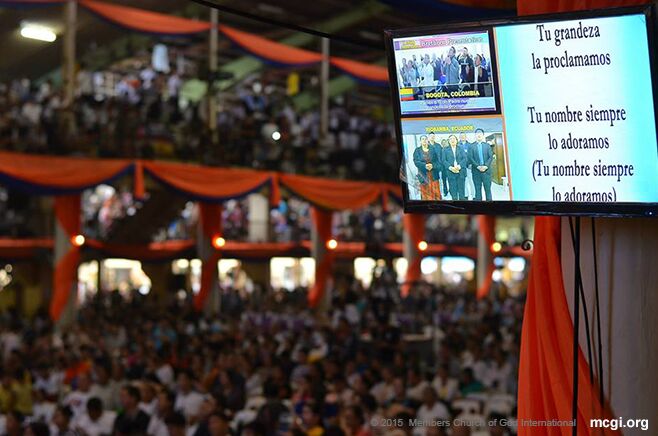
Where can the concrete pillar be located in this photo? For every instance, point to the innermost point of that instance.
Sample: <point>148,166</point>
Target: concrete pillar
<point>413,232</point>
<point>319,251</point>
<point>62,247</point>
<point>160,275</point>
<point>485,257</point>
<point>259,218</point>
<point>206,253</point>
<point>628,291</point>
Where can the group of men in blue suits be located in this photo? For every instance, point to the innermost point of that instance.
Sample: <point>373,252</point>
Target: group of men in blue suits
<point>452,163</point>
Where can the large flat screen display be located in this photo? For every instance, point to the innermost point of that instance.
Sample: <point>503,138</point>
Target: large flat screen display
<point>547,115</point>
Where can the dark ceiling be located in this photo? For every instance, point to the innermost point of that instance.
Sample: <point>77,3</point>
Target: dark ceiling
<point>21,57</point>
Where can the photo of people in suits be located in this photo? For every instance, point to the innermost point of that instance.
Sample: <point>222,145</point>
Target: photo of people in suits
<point>460,159</point>
<point>440,73</point>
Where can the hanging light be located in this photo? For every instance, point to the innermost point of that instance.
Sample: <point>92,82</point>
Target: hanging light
<point>422,245</point>
<point>496,247</point>
<point>276,135</point>
<point>38,32</point>
<point>218,242</point>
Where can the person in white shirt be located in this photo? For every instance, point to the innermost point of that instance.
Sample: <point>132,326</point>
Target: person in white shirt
<point>105,389</point>
<point>147,75</point>
<point>149,402</point>
<point>188,401</point>
<point>431,410</point>
<point>61,423</point>
<point>176,425</point>
<point>157,425</point>
<point>415,385</point>
<point>384,391</point>
<point>77,400</point>
<point>445,385</point>
<point>42,409</point>
<point>96,421</point>
<point>46,381</point>
<point>426,72</point>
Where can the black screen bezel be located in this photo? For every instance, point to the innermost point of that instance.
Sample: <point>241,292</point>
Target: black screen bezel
<point>621,209</point>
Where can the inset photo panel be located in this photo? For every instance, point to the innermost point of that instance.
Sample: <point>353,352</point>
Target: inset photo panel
<point>455,159</point>
<point>446,74</point>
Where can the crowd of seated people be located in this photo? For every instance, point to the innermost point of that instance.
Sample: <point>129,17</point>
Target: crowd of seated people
<point>147,110</point>
<point>103,206</point>
<point>290,221</point>
<point>266,366</point>
<point>20,215</point>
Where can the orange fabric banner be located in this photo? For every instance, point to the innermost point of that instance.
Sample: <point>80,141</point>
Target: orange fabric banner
<point>145,21</point>
<point>414,227</point>
<point>270,50</point>
<point>64,277</point>
<point>389,189</point>
<point>487,225</point>
<point>57,175</point>
<point>145,252</point>
<point>210,215</point>
<point>67,214</point>
<point>208,183</point>
<point>138,182</point>
<point>211,226</point>
<point>360,70</point>
<point>23,248</point>
<point>321,221</point>
<point>332,194</point>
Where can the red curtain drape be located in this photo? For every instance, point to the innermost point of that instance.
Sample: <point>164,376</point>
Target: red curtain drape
<point>487,225</point>
<point>546,357</point>
<point>546,360</point>
<point>333,194</point>
<point>210,215</point>
<point>414,227</point>
<point>67,215</point>
<point>145,21</point>
<point>58,175</point>
<point>321,221</point>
